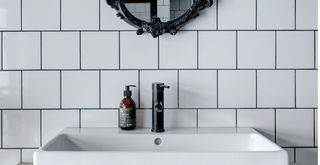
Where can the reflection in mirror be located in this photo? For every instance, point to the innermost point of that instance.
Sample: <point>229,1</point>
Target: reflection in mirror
<point>164,9</point>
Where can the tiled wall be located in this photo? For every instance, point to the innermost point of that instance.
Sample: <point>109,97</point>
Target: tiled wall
<point>248,63</point>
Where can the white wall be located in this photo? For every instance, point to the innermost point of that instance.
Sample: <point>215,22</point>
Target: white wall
<point>248,63</point>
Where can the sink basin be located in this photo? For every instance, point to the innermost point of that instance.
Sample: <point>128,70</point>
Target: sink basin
<point>187,146</point>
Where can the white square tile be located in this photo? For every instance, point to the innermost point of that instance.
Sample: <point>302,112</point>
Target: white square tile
<point>54,121</point>
<point>224,45</point>
<point>27,155</point>
<point>99,118</point>
<point>166,76</point>
<point>80,89</point>
<point>10,89</point>
<point>294,127</point>
<point>10,15</point>
<point>9,156</point>
<point>306,156</point>
<point>206,20</point>
<point>180,118</point>
<point>113,84</point>
<point>82,16</point>
<point>144,118</point>
<point>290,154</point>
<point>41,15</point>
<point>240,94</point>
<point>275,88</point>
<point>138,52</point>
<point>109,20</point>
<point>295,49</point>
<point>235,14</point>
<point>307,87</point>
<point>100,50</point>
<point>21,128</point>
<point>217,118</point>
<point>256,49</point>
<point>41,89</point>
<point>198,89</point>
<point>263,120</point>
<point>307,14</point>
<point>179,51</point>
<point>60,50</point>
<point>21,50</point>
<point>275,14</point>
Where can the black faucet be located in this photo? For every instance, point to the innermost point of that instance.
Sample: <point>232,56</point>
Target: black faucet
<point>158,107</point>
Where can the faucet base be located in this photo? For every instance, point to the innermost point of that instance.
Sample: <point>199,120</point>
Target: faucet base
<point>157,130</point>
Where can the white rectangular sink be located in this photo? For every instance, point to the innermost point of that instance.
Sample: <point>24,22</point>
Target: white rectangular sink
<point>187,146</point>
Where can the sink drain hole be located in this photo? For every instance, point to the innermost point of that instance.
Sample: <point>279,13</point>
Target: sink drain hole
<point>157,141</point>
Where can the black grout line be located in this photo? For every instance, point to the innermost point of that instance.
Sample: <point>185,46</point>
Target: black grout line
<point>21,23</point>
<point>17,148</point>
<point>314,128</point>
<point>60,15</point>
<point>298,147</point>
<point>275,50</point>
<point>217,15</point>
<point>193,69</point>
<point>99,14</point>
<point>139,88</point>
<point>40,128</point>
<point>158,52</point>
<point>61,89</point>
<point>80,51</point>
<point>217,77</point>
<point>1,50</point>
<point>295,88</point>
<point>256,88</point>
<point>112,108</point>
<point>79,118</point>
<point>21,86</point>
<point>178,88</point>
<point>1,128</point>
<point>41,51</point>
<point>197,49</point>
<point>315,49</point>
<point>100,89</point>
<point>197,118</point>
<point>201,30</point>
<point>119,49</point>
<point>236,111</point>
<point>295,14</point>
<point>237,47</point>
<point>256,14</point>
<point>275,126</point>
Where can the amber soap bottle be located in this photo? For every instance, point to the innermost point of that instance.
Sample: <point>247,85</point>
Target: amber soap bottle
<point>127,111</point>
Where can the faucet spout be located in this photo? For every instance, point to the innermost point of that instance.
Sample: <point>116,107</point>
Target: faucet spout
<point>158,107</point>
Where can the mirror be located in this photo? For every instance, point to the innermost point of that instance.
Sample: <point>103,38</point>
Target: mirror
<point>166,10</point>
<point>158,16</point>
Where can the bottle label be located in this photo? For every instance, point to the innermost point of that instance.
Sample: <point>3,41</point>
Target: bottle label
<point>127,117</point>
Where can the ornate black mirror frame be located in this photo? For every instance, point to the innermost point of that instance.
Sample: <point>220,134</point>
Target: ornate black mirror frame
<point>156,27</point>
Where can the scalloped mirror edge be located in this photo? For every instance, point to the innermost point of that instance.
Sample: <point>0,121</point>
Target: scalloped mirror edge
<point>156,27</point>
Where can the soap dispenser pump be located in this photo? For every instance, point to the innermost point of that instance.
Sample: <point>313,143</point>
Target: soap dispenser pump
<point>127,111</point>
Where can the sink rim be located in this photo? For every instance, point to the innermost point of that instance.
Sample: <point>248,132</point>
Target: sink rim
<point>75,131</point>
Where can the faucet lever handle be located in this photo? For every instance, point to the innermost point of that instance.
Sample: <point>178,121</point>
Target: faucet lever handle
<point>164,86</point>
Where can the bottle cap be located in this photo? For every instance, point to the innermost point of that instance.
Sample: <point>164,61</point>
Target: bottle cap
<point>127,91</point>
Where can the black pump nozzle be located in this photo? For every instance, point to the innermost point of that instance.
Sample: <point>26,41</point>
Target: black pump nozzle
<point>127,91</point>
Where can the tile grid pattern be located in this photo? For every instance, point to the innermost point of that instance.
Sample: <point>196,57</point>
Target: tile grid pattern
<point>179,106</point>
